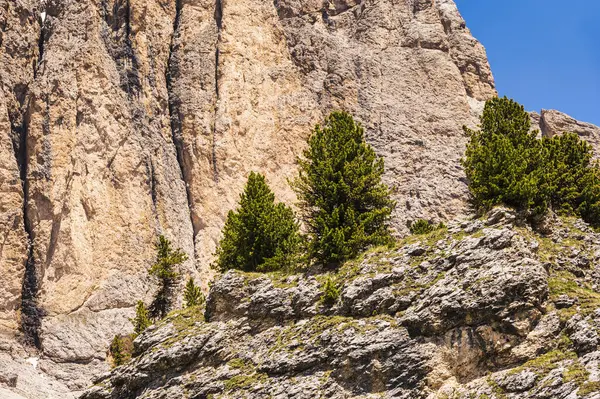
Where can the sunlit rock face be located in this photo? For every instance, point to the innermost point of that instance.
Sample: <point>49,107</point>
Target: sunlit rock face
<point>124,120</point>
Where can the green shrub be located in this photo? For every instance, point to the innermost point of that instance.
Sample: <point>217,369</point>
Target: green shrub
<point>567,161</point>
<point>589,200</point>
<point>506,163</point>
<point>141,321</point>
<point>120,350</point>
<point>570,176</point>
<point>423,226</point>
<point>260,235</point>
<point>164,270</point>
<point>331,292</point>
<point>345,206</point>
<point>193,294</point>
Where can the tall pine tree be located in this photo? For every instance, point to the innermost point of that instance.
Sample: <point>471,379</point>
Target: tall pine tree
<point>163,269</point>
<point>344,203</point>
<point>120,350</point>
<point>260,235</point>
<point>567,161</point>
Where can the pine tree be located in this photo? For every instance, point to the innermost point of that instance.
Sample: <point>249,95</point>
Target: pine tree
<point>506,163</point>
<point>259,235</point>
<point>331,292</point>
<point>118,351</point>
<point>589,198</point>
<point>344,204</point>
<point>193,294</point>
<point>142,318</point>
<point>423,226</point>
<point>164,270</point>
<point>503,160</point>
<point>567,163</point>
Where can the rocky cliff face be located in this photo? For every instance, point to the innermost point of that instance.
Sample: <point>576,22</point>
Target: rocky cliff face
<point>124,119</point>
<point>486,309</point>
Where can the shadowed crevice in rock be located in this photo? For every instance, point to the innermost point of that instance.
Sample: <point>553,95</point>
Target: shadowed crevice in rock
<point>152,182</point>
<point>41,43</point>
<point>219,23</point>
<point>31,314</point>
<point>176,119</point>
<point>117,38</point>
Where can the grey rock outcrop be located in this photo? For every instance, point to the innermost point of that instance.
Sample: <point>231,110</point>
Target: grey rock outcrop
<point>551,123</point>
<point>470,316</point>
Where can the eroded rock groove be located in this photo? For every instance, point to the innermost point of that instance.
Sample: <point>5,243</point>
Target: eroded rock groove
<point>175,116</point>
<point>219,23</point>
<point>118,41</point>
<point>30,312</point>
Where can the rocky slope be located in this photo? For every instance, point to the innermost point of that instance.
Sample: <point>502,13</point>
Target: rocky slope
<point>484,309</point>
<point>124,119</point>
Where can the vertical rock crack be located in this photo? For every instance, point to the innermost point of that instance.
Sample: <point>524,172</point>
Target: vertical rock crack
<point>219,24</point>
<point>175,116</point>
<point>31,313</point>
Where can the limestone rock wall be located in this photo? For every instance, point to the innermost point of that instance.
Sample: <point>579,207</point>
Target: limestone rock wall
<point>124,119</point>
<point>249,80</point>
<point>411,72</point>
<point>19,55</point>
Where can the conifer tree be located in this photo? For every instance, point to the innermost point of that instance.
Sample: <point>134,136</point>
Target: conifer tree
<point>142,318</point>
<point>589,199</point>
<point>345,206</point>
<point>163,269</point>
<point>506,163</point>
<point>118,351</point>
<point>331,292</point>
<point>193,294</point>
<point>567,161</point>
<point>503,159</point>
<point>422,226</point>
<point>260,235</point>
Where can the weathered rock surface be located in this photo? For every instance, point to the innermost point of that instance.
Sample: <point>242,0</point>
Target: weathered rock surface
<point>18,61</point>
<point>551,123</point>
<point>122,120</point>
<point>102,174</point>
<point>465,312</point>
<point>249,80</point>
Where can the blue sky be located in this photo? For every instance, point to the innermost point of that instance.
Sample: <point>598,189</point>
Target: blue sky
<point>543,53</point>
